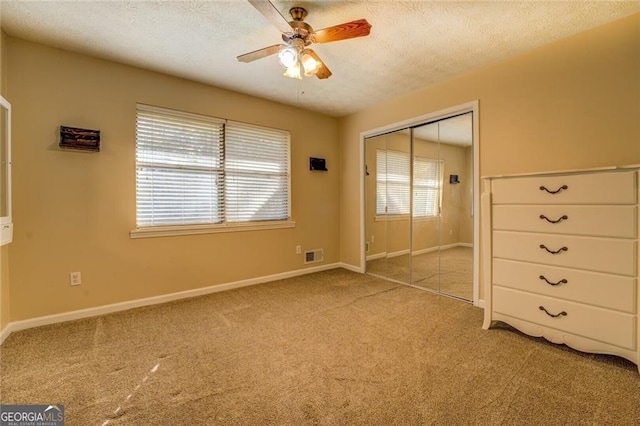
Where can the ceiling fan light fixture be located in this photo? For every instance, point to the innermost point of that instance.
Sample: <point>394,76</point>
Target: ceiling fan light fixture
<point>310,64</point>
<point>294,71</point>
<point>297,36</point>
<point>288,56</point>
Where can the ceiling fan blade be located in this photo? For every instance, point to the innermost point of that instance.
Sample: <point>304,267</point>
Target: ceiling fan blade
<point>323,72</point>
<point>271,13</point>
<point>260,53</point>
<point>344,31</point>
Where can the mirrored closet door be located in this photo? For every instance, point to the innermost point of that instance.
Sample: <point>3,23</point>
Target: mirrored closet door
<point>388,219</point>
<point>419,206</point>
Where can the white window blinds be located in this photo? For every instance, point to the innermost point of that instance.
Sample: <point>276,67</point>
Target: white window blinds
<point>393,184</point>
<point>427,186</point>
<point>257,173</point>
<point>194,170</point>
<point>179,168</point>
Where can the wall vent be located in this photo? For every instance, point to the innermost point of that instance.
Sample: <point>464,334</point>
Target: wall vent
<point>313,256</point>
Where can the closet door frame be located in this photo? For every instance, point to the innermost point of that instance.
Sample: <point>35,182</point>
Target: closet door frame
<point>473,107</point>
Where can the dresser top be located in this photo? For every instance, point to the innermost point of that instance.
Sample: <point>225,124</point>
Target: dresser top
<point>568,171</point>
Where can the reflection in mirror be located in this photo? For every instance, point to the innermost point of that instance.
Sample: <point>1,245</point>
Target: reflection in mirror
<point>6,226</point>
<point>388,192</point>
<point>428,169</point>
<point>442,231</point>
<point>419,206</point>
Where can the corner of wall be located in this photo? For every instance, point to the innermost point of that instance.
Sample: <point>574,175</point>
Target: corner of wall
<point>3,62</point>
<point>4,290</point>
<point>4,250</point>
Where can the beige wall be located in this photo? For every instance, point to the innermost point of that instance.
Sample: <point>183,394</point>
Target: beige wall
<point>571,104</point>
<point>73,211</point>
<point>4,286</point>
<point>4,250</point>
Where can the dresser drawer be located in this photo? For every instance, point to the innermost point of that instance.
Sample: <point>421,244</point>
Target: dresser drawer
<point>607,326</point>
<point>616,256</point>
<point>591,188</point>
<point>602,221</point>
<point>593,288</point>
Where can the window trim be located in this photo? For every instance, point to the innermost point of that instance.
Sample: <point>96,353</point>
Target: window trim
<point>171,231</point>
<point>225,226</point>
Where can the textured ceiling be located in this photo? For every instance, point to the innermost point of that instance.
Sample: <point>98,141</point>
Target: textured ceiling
<point>412,44</point>
<point>456,130</point>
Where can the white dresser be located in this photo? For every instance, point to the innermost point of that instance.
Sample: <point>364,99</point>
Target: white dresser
<point>560,257</point>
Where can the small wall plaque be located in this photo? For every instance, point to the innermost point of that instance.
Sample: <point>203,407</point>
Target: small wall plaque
<point>318,164</point>
<point>81,139</point>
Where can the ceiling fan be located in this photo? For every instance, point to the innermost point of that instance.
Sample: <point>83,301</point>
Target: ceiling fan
<point>295,54</point>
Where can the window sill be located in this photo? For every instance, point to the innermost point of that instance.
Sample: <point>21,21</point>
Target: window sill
<point>171,231</point>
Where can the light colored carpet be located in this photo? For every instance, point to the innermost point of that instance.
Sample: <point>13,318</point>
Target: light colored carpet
<point>448,271</point>
<point>332,348</point>
<point>455,276</point>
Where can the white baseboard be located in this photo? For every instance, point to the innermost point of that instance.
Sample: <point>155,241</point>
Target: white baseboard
<point>398,253</point>
<point>444,247</point>
<point>480,303</point>
<point>352,268</point>
<point>417,252</point>
<point>376,256</point>
<point>5,332</point>
<point>426,250</point>
<point>155,300</point>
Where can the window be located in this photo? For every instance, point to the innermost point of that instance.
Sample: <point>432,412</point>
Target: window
<point>199,170</point>
<point>393,184</point>
<point>427,187</point>
<point>257,173</point>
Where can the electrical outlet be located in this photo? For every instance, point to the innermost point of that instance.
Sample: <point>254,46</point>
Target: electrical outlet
<point>298,249</point>
<point>75,278</point>
<point>373,239</point>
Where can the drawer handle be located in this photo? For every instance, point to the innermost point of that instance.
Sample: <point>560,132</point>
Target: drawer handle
<point>561,314</point>
<point>562,188</point>
<point>562,281</point>
<point>564,217</point>
<point>561,249</point>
